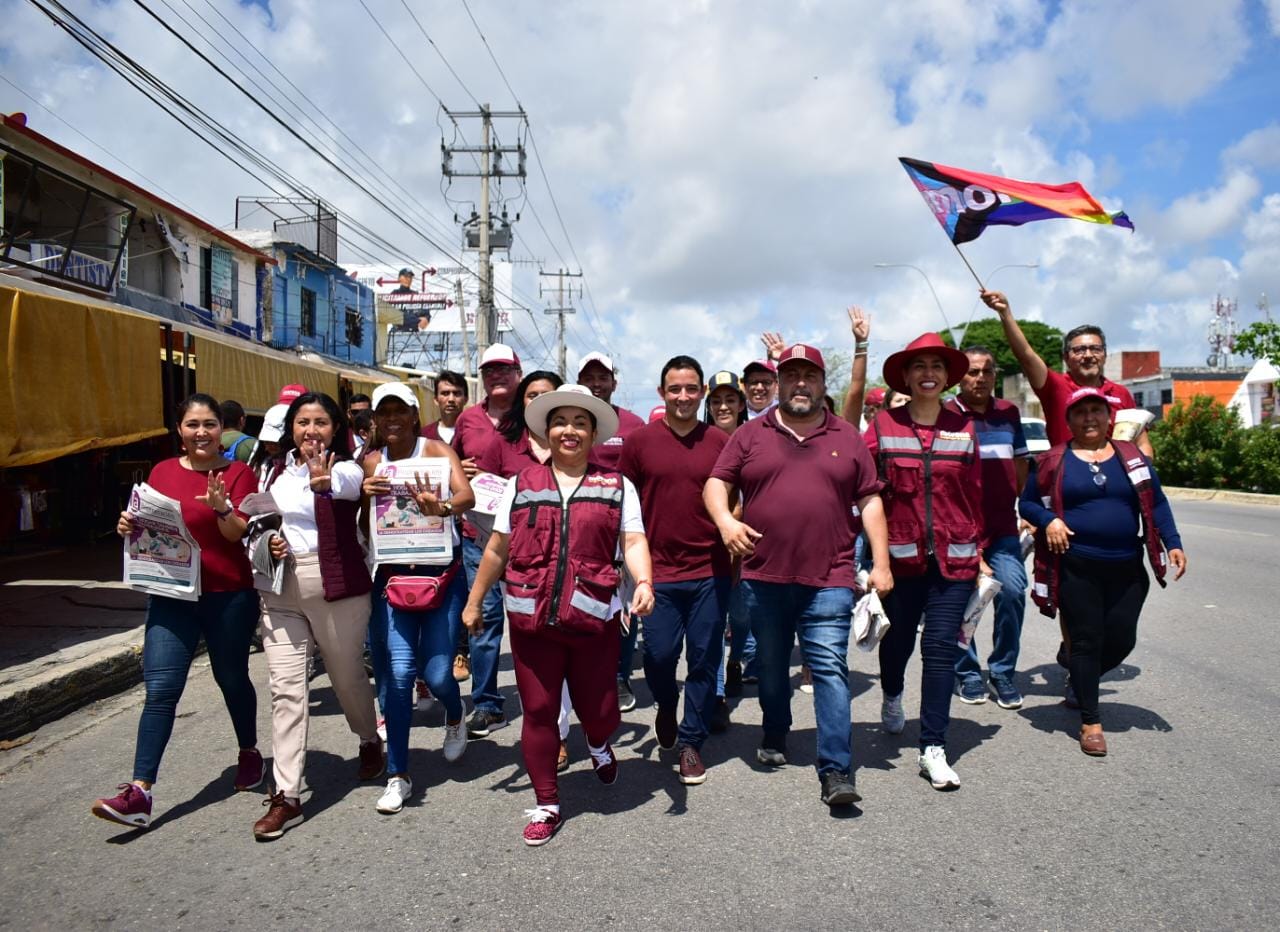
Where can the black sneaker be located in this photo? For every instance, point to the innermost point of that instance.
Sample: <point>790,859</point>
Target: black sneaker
<point>719,717</point>
<point>483,721</point>
<point>838,789</point>
<point>666,728</point>
<point>772,751</point>
<point>733,679</point>
<point>626,698</point>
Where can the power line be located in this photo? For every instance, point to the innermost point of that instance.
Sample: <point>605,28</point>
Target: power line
<point>432,43</point>
<point>492,57</point>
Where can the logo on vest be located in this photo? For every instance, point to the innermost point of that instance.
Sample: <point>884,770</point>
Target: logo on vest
<point>603,480</point>
<point>953,435</point>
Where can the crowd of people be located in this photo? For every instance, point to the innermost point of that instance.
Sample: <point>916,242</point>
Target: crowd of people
<point>746,517</point>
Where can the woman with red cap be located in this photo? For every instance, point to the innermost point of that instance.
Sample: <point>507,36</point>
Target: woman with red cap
<point>928,457</point>
<point>1104,506</point>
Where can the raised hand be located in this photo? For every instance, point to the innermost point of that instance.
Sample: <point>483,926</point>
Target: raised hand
<point>215,495</point>
<point>320,468</point>
<point>773,344</point>
<point>860,323</point>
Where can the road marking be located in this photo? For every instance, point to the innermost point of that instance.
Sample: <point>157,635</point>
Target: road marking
<point>1212,527</point>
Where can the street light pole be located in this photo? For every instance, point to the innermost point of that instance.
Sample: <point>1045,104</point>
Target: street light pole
<point>936,300</point>
<point>1008,265</point>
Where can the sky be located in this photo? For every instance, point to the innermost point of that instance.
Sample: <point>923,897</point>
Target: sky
<point>718,168</point>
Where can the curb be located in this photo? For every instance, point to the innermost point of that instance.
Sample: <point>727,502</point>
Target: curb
<point>1221,495</point>
<point>68,686</point>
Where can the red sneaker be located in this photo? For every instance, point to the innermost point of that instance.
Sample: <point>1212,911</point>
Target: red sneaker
<point>605,763</point>
<point>250,770</point>
<point>543,823</point>
<point>131,806</point>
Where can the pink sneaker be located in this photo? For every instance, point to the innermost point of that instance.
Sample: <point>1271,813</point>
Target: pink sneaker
<point>250,770</point>
<point>543,823</point>
<point>132,807</point>
<point>605,763</point>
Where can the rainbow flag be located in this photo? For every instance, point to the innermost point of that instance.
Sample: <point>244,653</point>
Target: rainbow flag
<point>966,202</point>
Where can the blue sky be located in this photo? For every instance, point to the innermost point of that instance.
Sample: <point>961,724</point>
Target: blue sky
<point>729,166</point>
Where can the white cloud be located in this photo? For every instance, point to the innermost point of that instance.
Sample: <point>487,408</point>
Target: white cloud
<point>1204,215</point>
<point>1260,148</point>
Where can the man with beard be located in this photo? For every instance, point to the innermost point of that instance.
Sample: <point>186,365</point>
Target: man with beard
<point>806,479</point>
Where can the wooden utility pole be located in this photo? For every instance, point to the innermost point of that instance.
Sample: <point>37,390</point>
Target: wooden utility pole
<point>560,310</point>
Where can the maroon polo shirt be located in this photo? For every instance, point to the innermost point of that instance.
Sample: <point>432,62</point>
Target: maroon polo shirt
<point>608,453</point>
<point>800,495</point>
<point>473,432</point>
<point>1055,391</point>
<point>504,458</point>
<point>1000,442</point>
<point>669,472</point>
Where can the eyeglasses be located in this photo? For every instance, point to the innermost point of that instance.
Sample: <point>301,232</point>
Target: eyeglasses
<point>1099,349</point>
<point>1099,477</point>
<point>760,383</point>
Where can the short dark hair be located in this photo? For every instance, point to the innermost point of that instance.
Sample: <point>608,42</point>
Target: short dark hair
<point>1080,331</point>
<point>978,349</point>
<point>456,379</point>
<point>680,362</point>
<point>340,447</point>
<point>232,413</point>
<point>196,400</point>
<point>362,420</point>
<point>358,398</point>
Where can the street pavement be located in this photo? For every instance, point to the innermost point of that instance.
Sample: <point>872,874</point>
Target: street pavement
<point>1178,828</point>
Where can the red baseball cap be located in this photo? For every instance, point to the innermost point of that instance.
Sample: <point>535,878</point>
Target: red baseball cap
<point>290,393</point>
<point>765,365</point>
<point>925,344</point>
<point>658,413</point>
<point>803,352</point>
<point>1084,394</point>
<point>874,396</point>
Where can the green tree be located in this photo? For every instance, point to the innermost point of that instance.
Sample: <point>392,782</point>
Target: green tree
<point>1200,445</point>
<point>1261,340</point>
<point>1044,339</point>
<point>1260,460</point>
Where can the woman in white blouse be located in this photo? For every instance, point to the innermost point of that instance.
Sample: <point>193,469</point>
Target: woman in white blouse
<point>324,602</point>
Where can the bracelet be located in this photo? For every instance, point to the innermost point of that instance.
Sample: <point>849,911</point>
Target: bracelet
<point>859,353</point>
<point>861,344</point>
<point>644,582</point>
<point>223,514</point>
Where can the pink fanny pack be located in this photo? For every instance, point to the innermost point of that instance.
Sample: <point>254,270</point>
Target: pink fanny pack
<point>419,593</point>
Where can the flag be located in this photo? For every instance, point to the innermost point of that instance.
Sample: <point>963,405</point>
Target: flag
<point>966,202</point>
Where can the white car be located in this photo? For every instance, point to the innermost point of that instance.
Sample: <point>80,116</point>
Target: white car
<point>1037,437</point>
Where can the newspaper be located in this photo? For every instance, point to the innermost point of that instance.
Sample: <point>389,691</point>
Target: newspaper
<point>1131,422</point>
<point>160,555</point>
<point>488,489</point>
<point>399,532</point>
<point>982,595</point>
<point>265,521</point>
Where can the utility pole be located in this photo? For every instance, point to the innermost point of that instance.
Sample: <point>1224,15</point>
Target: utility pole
<point>462,322</point>
<point>490,166</point>
<point>560,310</point>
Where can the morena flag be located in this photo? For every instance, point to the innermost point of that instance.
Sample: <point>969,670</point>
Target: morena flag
<point>966,202</point>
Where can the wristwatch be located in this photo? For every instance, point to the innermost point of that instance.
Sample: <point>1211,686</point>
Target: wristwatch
<point>448,509</point>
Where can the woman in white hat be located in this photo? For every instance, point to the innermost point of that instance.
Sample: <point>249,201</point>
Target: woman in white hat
<point>556,543</point>
<point>405,642</point>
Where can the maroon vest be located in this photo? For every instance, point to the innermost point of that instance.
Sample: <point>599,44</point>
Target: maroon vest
<point>562,569</point>
<point>343,571</point>
<point>930,504</point>
<point>1048,565</point>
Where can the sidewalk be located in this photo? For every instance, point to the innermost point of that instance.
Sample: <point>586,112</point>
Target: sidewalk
<point>70,633</point>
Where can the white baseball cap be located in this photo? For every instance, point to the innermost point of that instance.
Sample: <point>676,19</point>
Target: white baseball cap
<point>394,390</point>
<point>499,353</point>
<point>600,358</point>
<point>273,423</point>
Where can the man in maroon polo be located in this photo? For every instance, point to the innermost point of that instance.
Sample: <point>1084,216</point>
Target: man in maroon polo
<point>669,461</point>
<point>806,479</point>
<point>1084,350</point>
<point>598,373</point>
<point>475,429</point>
<point>451,398</point>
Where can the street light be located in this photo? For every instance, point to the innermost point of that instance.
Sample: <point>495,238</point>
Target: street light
<point>990,275</point>
<point>907,265</point>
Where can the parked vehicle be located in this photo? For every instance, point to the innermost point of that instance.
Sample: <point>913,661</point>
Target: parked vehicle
<point>1037,437</point>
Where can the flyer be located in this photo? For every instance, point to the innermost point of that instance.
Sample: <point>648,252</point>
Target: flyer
<point>488,489</point>
<point>399,532</point>
<point>160,555</point>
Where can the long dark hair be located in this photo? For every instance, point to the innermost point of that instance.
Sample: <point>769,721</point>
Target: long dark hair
<point>513,423</point>
<point>709,418</point>
<point>340,446</point>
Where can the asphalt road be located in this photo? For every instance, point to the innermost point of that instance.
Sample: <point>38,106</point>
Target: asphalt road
<point>1177,828</point>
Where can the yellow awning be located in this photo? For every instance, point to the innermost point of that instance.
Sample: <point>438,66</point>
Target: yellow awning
<point>74,378</point>
<point>235,370</point>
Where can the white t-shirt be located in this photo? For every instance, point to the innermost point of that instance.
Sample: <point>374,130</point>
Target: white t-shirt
<point>297,503</point>
<point>632,521</point>
<point>446,433</point>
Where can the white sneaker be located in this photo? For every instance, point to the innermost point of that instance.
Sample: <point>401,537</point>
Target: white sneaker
<point>455,740</point>
<point>933,764</point>
<point>393,797</point>
<point>424,698</point>
<point>891,714</point>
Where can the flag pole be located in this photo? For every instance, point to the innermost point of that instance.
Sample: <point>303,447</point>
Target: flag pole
<point>969,267</point>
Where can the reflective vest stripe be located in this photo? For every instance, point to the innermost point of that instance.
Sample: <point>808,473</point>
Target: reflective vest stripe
<point>890,442</point>
<point>952,446</point>
<point>962,551</point>
<point>519,605</point>
<point>527,497</point>
<point>904,551</point>
<point>593,607</point>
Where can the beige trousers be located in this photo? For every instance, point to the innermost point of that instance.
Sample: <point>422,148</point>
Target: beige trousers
<point>294,623</point>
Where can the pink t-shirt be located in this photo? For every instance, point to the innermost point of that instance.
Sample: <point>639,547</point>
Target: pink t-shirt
<point>669,472</point>
<point>224,565</point>
<point>801,495</point>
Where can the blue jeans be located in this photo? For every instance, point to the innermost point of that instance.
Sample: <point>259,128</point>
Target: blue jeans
<point>1005,559</point>
<point>742,643</point>
<point>486,647</point>
<point>627,648</point>
<point>781,613</point>
<point>405,644</point>
<point>174,627</point>
<point>941,601</point>
<point>688,614</point>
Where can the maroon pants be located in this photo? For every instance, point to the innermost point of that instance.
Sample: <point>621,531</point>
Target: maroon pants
<point>546,660</point>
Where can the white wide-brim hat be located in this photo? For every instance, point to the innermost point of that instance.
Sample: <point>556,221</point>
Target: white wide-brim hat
<point>575,396</point>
